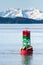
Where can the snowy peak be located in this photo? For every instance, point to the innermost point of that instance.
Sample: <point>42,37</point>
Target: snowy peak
<point>32,13</point>
<point>12,13</point>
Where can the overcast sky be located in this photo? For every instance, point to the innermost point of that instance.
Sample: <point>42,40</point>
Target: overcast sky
<point>5,4</point>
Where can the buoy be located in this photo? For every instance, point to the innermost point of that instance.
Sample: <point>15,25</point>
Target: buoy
<point>26,46</point>
<point>26,51</point>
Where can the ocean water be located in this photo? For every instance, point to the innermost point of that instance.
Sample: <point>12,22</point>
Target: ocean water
<point>11,42</point>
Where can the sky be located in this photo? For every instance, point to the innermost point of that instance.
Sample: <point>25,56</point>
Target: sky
<point>5,4</point>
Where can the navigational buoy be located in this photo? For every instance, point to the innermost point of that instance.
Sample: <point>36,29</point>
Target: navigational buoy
<point>26,46</point>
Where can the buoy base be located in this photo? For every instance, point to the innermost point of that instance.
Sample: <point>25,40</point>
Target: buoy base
<point>28,51</point>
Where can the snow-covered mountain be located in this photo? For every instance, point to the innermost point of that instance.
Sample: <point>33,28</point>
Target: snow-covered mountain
<point>32,13</point>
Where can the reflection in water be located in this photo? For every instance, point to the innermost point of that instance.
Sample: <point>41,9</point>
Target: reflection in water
<point>26,60</point>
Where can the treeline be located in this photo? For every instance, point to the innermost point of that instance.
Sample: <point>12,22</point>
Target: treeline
<point>19,20</point>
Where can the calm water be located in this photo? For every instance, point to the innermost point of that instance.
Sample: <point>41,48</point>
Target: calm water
<point>10,44</point>
<point>10,55</point>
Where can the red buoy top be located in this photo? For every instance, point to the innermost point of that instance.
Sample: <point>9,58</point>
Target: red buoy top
<point>26,33</point>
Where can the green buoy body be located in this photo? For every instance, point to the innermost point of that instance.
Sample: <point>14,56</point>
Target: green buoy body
<point>26,39</point>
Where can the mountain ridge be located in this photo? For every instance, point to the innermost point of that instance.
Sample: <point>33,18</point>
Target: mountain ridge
<point>32,13</point>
